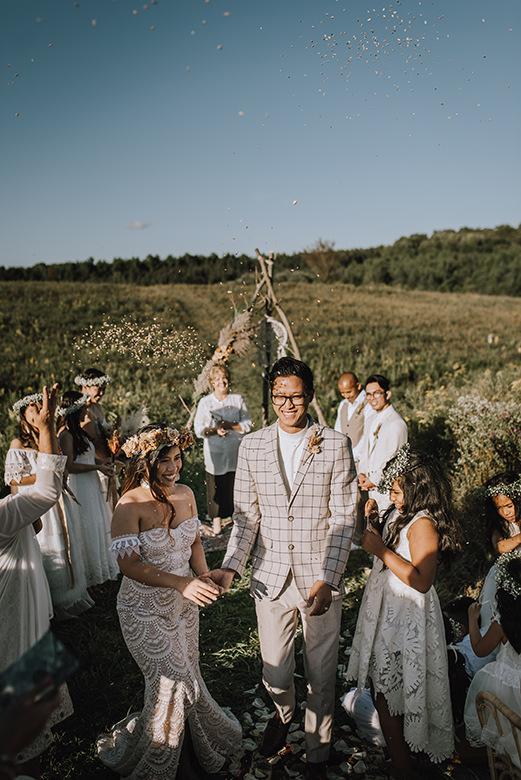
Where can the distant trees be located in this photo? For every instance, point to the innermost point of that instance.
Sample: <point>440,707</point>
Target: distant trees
<point>482,261</point>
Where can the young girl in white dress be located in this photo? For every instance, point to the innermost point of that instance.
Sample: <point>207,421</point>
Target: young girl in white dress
<point>58,537</point>
<point>399,642</point>
<point>83,480</point>
<point>502,511</point>
<point>502,677</point>
<point>156,539</point>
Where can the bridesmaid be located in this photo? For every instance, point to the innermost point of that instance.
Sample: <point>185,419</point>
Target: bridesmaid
<point>93,383</point>
<point>58,536</point>
<point>83,468</point>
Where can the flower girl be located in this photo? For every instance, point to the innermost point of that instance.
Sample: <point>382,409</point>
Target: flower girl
<point>399,642</point>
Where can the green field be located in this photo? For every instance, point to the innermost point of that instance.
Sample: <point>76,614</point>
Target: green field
<point>434,347</point>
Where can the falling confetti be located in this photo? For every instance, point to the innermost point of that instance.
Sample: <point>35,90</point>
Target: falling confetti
<point>294,202</point>
<point>219,47</point>
<point>151,344</point>
<point>94,23</point>
<point>241,113</point>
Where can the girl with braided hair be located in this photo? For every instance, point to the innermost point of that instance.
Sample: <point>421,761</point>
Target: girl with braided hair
<point>400,640</point>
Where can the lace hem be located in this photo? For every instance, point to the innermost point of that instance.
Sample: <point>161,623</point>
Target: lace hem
<point>49,462</point>
<point>125,545</point>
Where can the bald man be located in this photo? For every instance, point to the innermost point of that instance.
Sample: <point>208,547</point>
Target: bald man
<point>353,412</point>
<point>352,417</point>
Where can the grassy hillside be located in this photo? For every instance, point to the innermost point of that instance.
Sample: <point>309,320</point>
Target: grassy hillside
<point>435,348</point>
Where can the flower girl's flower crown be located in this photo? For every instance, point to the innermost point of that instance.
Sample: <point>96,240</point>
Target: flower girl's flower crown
<point>36,398</point>
<point>144,443</point>
<point>512,490</point>
<point>504,579</point>
<point>395,469</point>
<point>95,381</point>
<point>63,411</point>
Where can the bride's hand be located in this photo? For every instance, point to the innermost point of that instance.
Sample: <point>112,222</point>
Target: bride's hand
<point>200,591</point>
<point>207,578</point>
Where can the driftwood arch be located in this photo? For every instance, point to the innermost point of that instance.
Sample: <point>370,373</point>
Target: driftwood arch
<point>235,339</point>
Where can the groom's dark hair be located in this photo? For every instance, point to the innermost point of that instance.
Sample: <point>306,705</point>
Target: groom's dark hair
<point>290,366</point>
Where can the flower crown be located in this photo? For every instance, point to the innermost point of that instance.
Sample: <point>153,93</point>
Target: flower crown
<point>395,469</point>
<point>512,490</point>
<point>95,381</point>
<point>63,411</point>
<point>504,579</point>
<point>36,398</point>
<point>144,443</point>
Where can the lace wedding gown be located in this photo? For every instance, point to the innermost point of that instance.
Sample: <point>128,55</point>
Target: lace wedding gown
<point>400,644</point>
<point>161,630</point>
<point>502,678</point>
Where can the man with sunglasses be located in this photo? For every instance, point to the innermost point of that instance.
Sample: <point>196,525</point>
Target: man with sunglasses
<point>384,434</point>
<point>295,499</point>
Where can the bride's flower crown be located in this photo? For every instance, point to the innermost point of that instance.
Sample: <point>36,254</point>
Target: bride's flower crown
<point>94,381</point>
<point>148,441</point>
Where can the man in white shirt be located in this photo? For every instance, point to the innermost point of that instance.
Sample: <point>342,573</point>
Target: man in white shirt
<point>385,434</point>
<point>352,419</point>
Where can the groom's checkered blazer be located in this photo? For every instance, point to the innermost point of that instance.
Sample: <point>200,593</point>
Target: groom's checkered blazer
<point>308,532</point>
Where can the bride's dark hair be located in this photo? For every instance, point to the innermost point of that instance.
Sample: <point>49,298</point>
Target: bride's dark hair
<point>144,468</point>
<point>28,435</point>
<point>426,488</point>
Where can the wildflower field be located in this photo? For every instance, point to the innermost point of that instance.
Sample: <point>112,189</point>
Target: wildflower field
<point>454,361</point>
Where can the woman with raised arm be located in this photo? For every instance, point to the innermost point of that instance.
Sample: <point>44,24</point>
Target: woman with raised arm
<point>25,599</point>
<point>155,533</point>
<point>58,534</point>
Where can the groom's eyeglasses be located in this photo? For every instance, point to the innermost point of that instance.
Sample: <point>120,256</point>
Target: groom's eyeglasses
<point>296,400</point>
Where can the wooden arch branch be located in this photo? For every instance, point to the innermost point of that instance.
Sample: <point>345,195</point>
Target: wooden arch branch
<point>266,278</point>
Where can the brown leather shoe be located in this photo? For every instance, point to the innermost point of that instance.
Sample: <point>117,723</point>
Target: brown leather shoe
<point>316,771</point>
<point>275,736</point>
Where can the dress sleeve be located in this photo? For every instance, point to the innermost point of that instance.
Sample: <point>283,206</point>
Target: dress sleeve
<point>17,466</point>
<point>125,545</point>
<point>201,420</point>
<point>22,509</point>
<point>245,419</point>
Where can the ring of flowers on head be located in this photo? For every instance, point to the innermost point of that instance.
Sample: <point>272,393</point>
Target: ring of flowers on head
<point>146,442</point>
<point>63,411</point>
<point>36,398</point>
<point>95,381</point>
<point>395,469</point>
<point>511,490</point>
<point>504,579</point>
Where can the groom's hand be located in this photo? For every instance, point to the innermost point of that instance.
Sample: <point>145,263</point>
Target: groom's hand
<point>223,578</point>
<point>320,593</point>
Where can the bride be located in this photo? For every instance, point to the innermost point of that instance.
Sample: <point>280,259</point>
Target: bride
<point>156,541</point>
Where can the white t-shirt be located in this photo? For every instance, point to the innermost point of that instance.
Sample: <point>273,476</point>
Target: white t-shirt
<point>291,446</point>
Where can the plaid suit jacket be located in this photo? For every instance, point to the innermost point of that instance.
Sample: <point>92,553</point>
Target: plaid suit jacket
<point>308,531</point>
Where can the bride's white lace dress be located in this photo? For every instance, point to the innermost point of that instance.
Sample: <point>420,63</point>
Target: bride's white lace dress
<point>161,630</point>
<point>400,644</point>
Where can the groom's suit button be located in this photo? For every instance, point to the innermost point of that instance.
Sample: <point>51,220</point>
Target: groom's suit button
<point>291,546</point>
<point>290,518</point>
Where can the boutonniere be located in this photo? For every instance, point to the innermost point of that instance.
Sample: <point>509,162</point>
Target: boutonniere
<point>377,431</point>
<point>314,444</point>
<point>360,408</point>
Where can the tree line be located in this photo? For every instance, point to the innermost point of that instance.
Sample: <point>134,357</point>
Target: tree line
<point>486,261</point>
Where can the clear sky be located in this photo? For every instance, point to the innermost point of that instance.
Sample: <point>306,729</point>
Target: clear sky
<point>181,126</point>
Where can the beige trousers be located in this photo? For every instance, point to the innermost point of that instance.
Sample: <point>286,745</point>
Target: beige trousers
<point>278,622</point>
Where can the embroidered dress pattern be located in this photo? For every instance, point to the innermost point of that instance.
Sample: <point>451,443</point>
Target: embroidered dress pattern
<point>161,630</point>
<point>400,644</point>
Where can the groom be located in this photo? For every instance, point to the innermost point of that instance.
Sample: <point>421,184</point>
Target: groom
<point>295,499</point>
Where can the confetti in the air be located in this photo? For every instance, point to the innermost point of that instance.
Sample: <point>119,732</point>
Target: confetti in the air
<point>151,344</point>
<point>294,202</point>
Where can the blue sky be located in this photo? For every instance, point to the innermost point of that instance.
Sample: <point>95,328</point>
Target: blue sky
<point>120,140</point>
